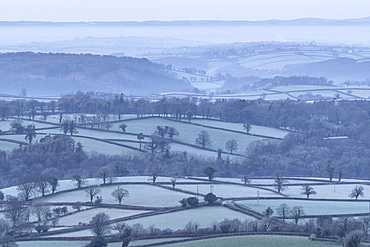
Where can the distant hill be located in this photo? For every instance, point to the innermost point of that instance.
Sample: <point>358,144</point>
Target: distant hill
<point>56,74</point>
<point>299,21</point>
<point>339,69</point>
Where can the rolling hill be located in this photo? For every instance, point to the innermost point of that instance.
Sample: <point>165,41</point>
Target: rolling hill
<point>56,74</point>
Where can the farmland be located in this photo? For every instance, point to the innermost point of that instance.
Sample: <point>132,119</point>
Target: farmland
<point>114,141</point>
<point>254,241</point>
<point>160,194</point>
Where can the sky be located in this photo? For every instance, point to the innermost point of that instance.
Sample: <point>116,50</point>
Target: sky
<point>167,10</point>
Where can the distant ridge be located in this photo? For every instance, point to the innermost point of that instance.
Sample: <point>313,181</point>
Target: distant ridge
<point>300,21</point>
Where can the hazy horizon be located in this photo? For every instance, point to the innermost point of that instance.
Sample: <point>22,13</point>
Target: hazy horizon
<point>166,10</point>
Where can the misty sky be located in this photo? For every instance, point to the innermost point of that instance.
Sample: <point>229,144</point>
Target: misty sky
<point>140,10</point>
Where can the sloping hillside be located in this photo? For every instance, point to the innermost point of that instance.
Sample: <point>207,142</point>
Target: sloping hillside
<point>339,69</point>
<point>54,74</point>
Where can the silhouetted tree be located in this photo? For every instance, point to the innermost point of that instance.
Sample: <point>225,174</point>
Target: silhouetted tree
<point>30,132</point>
<point>210,198</point>
<point>119,194</point>
<point>297,212</point>
<point>283,210</point>
<point>100,224</point>
<point>356,192</point>
<point>123,127</point>
<point>308,190</point>
<point>92,192</point>
<point>209,171</point>
<point>231,145</point>
<point>203,139</point>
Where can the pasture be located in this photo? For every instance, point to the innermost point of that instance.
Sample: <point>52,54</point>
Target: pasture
<point>311,207</point>
<point>140,195</point>
<point>255,241</point>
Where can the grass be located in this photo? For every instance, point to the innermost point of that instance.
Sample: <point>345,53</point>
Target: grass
<point>255,241</point>
<point>310,207</point>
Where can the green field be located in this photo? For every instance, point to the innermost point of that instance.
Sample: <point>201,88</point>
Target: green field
<point>255,241</point>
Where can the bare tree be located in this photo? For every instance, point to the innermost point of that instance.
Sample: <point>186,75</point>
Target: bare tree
<point>173,182</point>
<point>26,187</point>
<point>40,209</point>
<point>15,211</point>
<point>53,182</point>
<point>283,210</point>
<point>280,181</point>
<point>356,192</point>
<point>297,212</point>
<point>42,184</point>
<point>308,190</point>
<point>104,174</point>
<point>140,137</point>
<point>231,145</point>
<point>100,224</point>
<point>155,174</point>
<point>92,192</point>
<point>119,194</point>
<point>246,179</point>
<point>203,139</point>
<point>330,169</point>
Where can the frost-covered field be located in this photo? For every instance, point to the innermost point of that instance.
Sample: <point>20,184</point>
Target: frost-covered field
<point>54,118</point>
<point>335,191</point>
<point>188,133</point>
<point>226,190</point>
<point>262,181</point>
<point>311,207</point>
<point>140,195</point>
<point>70,184</point>
<point>8,146</point>
<point>258,130</point>
<point>204,216</point>
<point>86,215</point>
